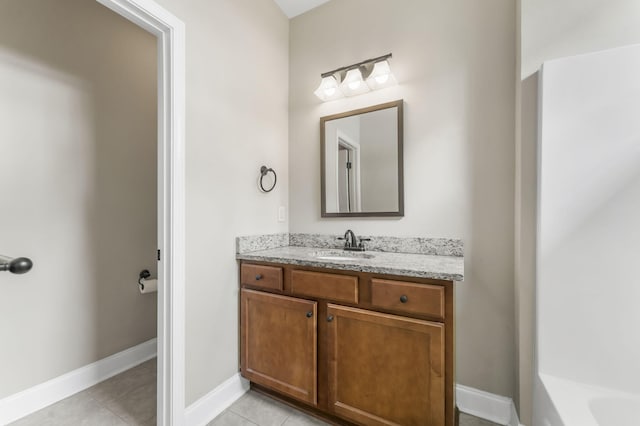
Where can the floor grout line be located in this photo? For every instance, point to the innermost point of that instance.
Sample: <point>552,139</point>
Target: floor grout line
<point>103,405</point>
<point>239,415</point>
<point>285,420</point>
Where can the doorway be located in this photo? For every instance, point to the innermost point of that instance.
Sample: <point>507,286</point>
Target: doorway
<point>348,174</point>
<point>75,95</point>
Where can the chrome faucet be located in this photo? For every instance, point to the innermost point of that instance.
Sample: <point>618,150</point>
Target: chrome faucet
<point>350,239</point>
<point>352,243</point>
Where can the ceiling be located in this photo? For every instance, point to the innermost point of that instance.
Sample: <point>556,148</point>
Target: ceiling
<point>293,8</point>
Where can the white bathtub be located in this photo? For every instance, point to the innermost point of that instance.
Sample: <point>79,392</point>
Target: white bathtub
<point>588,241</point>
<point>570,403</point>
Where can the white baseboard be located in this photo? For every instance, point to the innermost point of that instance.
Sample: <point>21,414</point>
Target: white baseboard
<point>488,406</point>
<point>215,402</point>
<point>33,399</point>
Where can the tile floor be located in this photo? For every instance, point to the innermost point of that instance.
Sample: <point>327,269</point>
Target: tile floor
<point>126,399</point>
<point>129,399</point>
<point>254,409</point>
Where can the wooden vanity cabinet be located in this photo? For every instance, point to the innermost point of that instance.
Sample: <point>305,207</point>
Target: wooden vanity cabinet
<point>384,369</point>
<point>278,346</point>
<point>357,348</point>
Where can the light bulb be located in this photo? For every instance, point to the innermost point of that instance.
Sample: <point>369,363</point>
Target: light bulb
<point>382,79</point>
<point>328,89</point>
<point>353,83</point>
<point>381,76</point>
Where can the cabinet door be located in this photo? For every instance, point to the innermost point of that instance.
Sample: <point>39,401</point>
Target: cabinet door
<point>385,369</point>
<point>278,348</point>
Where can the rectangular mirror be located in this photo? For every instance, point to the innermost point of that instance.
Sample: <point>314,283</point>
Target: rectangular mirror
<point>361,162</point>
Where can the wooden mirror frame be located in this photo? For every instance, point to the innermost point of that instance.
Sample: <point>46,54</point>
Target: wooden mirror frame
<point>400,212</point>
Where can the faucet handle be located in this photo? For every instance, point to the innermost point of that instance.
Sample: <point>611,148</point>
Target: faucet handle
<point>361,242</point>
<point>346,242</point>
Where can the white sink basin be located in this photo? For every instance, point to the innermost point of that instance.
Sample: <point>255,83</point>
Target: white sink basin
<point>341,255</point>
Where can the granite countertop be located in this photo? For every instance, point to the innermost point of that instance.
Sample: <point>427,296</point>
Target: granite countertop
<point>449,268</point>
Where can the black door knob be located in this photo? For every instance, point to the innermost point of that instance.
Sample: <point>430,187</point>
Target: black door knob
<point>20,265</point>
<point>258,277</point>
<point>309,314</point>
<point>330,318</point>
<point>404,299</point>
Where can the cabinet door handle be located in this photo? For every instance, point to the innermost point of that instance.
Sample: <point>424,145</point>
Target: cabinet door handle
<point>404,299</point>
<point>309,314</point>
<point>330,318</point>
<point>258,277</point>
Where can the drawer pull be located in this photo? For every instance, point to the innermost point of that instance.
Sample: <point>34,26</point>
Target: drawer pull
<point>258,277</point>
<point>309,314</point>
<point>330,318</point>
<point>404,299</point>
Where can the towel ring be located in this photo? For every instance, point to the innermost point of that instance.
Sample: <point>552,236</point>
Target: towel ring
<point>263,172</point>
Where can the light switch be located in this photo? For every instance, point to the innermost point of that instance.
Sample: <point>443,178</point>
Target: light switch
<point>282,215</point>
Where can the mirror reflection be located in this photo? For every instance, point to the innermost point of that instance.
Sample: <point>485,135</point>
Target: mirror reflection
<point>362,162</point>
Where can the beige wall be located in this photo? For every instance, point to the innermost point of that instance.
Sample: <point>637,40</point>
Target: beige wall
<point>379,160</point>
<point>237,112</point>
<point>455,62</point>
<point>549,30</point>
<point>78,173</point>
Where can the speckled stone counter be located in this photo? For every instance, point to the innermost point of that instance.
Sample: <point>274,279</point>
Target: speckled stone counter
<point>266,248</point>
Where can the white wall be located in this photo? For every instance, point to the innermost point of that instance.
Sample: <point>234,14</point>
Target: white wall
<point>455,62</point>
<point>574,26</point>
<point>550,29</point>
<point>237,108</point>
<point>78,173</point>
<point>588,283</point>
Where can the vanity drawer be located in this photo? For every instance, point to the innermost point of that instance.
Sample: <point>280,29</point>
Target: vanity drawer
<point>413,298</point>
<point>342,288</point>
<point>261,276</point>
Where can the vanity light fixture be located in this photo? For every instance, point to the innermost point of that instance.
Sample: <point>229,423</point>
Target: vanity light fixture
<point>355,79</point>
<point>329,89</point>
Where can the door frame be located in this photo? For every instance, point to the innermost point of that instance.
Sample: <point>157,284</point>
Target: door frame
<point>170,32</point>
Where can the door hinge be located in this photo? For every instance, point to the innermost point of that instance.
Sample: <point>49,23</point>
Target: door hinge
<point>348,164</point>
<point>158,255</point>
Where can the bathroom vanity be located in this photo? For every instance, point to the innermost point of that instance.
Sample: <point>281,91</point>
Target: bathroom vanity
<point>356,338</point>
